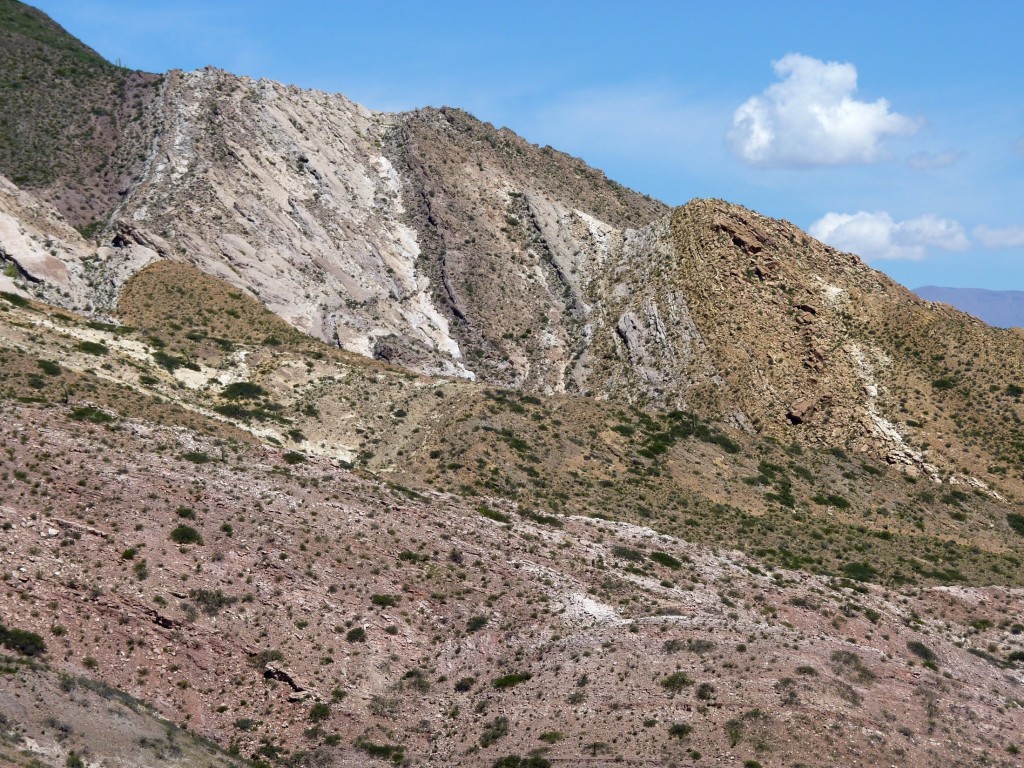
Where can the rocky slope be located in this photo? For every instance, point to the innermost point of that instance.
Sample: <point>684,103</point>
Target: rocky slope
<point>74,128</point>
<point>299,615</point>
<point>162,541</point>
<point>350,438</point>
<point>439,243</point>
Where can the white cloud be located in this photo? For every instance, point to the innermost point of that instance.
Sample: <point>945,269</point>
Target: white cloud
<point>1000,237</point>
<point>878,236</point>
<point>811,118</point>
<point>926,161</point>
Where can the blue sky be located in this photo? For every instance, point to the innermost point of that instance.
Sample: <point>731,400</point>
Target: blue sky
<point>895,130</point>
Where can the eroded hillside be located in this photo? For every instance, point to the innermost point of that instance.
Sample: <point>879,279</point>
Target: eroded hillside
<point>335,437</point>
<point>74,128</point>
<point>441,244</point>
<point>297,614</point>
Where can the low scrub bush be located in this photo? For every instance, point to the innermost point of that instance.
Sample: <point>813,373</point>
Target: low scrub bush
<point>186,534</point>
<point>22,641</point>
<point>508,681</point>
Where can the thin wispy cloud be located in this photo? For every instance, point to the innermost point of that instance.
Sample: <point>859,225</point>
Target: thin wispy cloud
<point>811,118</point>
<point>636,121</point>
<point>927,161</point>
<point>878,236</point>
<point>999,237</point>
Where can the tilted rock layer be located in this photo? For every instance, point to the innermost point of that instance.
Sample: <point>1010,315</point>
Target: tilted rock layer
<point>434,241</point>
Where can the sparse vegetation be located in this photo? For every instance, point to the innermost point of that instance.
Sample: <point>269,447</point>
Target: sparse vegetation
<point>22,641</point>
<point>186,534</point>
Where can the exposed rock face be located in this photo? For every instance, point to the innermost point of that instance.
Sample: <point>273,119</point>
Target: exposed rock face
<point>43,256</point>
<point>436,242</point>
<point>514,236</point>
<point>285,193</point>
<point>31,232</point>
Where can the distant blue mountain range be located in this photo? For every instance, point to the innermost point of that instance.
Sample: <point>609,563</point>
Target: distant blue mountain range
<point>1003,309</point>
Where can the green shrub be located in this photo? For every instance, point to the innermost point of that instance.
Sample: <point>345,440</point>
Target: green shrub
<point>210,601</point>
<point>860,571</point>
<point>186,534</point>
<point>515,761</point>
<point>48,367</point>
<point>263,658</point>
<point>197,457</point>
<point>294,457</point>
<point>476,623</point>
<point>922,651</point>
<point>680,730</point>
<point>676,682</point>
<point>319,712</point>
<point>92,348</point>
<point>393,752</point>
<point>663,558</point>
<point>507,681</point>
<point>22,641</point>
<point>464,684</point>
<point>172,363</point>
<point>849,665</point>
<point>493,514</point>
<point>831,500</point>
<point>384,601</point>
<point>90,414</point>
<point>356,635</point>
<point>1016,523</point>
<point>243,390</point>
<point>626,553</point>
<point>494,730</point>
<point>735,728</point>
<point>15,299</point>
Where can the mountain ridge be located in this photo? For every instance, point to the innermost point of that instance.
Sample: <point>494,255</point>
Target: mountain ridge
<point>342,437</point>
<point>1002,309</point>
<point>383,234</point>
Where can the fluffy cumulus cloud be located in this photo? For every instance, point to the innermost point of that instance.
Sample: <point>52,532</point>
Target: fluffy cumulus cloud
<point>1000,237</point>
<point>878,236</point>
<point>810,117</point>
